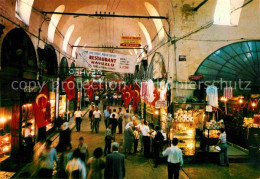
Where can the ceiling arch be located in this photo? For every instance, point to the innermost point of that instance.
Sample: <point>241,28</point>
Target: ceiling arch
<point>88,28</point>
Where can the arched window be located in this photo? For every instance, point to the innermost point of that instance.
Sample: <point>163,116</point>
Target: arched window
<point>67,37</point>
<point>157,22</point>
<point>55,18</point>
<point>23,9</point>
<point>147,35</point>
<point>75,48</point>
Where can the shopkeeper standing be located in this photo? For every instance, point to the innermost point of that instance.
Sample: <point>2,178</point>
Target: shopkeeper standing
<point>78,119</point>
<point>223,146</point>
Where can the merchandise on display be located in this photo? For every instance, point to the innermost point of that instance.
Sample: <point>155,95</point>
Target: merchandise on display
<point>183,115</point>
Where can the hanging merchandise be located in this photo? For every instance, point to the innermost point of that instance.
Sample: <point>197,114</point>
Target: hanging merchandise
<point>69,87</point>
<point>136,96</point>
<point>156,95</point>
<point>163,90</point>
<point>90,91</point>
<point>228,93</point>
<point>150,91</point>
<point>143,89</point>
<point>41,107</point>
<point>127,95</point>
<point>212,95</point>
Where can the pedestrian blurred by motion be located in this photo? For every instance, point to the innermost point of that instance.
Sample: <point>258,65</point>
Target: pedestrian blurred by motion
<point>108,140</point>
<point>97,119</point>
<point>106,116</point>
<point>95,165</point>
<point>83,148</point>
<point>157,146</point>
<point>47,159</point>
<point>64,159</point>
<point>37,150</point>
<point>115,164</point>
<point>120,121</point>
<point>78,119</point>
<point>65,137</point>
<point>76,167</point>
<point>113,121</point>
<point>175,160</point>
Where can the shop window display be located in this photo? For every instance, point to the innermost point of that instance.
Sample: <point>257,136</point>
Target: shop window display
<point>5,132</point>
<point>28,119</point>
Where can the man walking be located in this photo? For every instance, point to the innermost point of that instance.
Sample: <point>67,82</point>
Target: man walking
<point>115,164</point>
<point>78,119</point>
<point>106,116</point>
<point>120,121</point>
<point>91,118</point>
<point>108,140</point>
<point>97,118</point>
<point>175,160</point>
<point>157,144</point>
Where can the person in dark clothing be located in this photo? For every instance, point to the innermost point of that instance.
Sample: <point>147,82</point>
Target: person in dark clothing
<point>115,164</point>
<point>65,138</point>
<point>78,119</point>
<point>59,121</point>
<point>120,121</point>
<point>157,144</point>
<point>91,118</point>
<point>108,140</point>
<point>113,121</point>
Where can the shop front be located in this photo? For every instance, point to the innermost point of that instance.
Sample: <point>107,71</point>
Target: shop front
<point>17,95</point>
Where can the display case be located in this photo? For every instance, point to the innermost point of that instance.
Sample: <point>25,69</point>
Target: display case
<point>185,132</point>
<point>28,118</point>
<point>210,139</point>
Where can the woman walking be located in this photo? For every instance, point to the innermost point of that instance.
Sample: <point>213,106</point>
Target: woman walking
<point>47,158</point>
<point>95,165</point>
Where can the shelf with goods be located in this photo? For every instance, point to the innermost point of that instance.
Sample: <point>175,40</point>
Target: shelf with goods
<point>185,132</point>
<point>186,119</point>
<point>210,139</point>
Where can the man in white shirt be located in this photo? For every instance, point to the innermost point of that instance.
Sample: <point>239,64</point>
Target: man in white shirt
<point>175,160</point>
<point>78,119</point>
<point>146,139</point>
<point>140,129</point>
<point>97,118</point>
<point>114,112</point>
<point>96,99</point>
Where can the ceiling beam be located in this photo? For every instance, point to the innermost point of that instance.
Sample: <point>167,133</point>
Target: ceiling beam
<point>105,15</point>
<point>200,5</point>
<point>121,48</point>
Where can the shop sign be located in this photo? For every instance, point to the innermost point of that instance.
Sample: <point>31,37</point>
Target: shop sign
<point>79,71</point>
<point>130,41</point>
<point>257,119</point>
<point>196,77</point>
<point>94,60</point>
<point>161,104</point>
